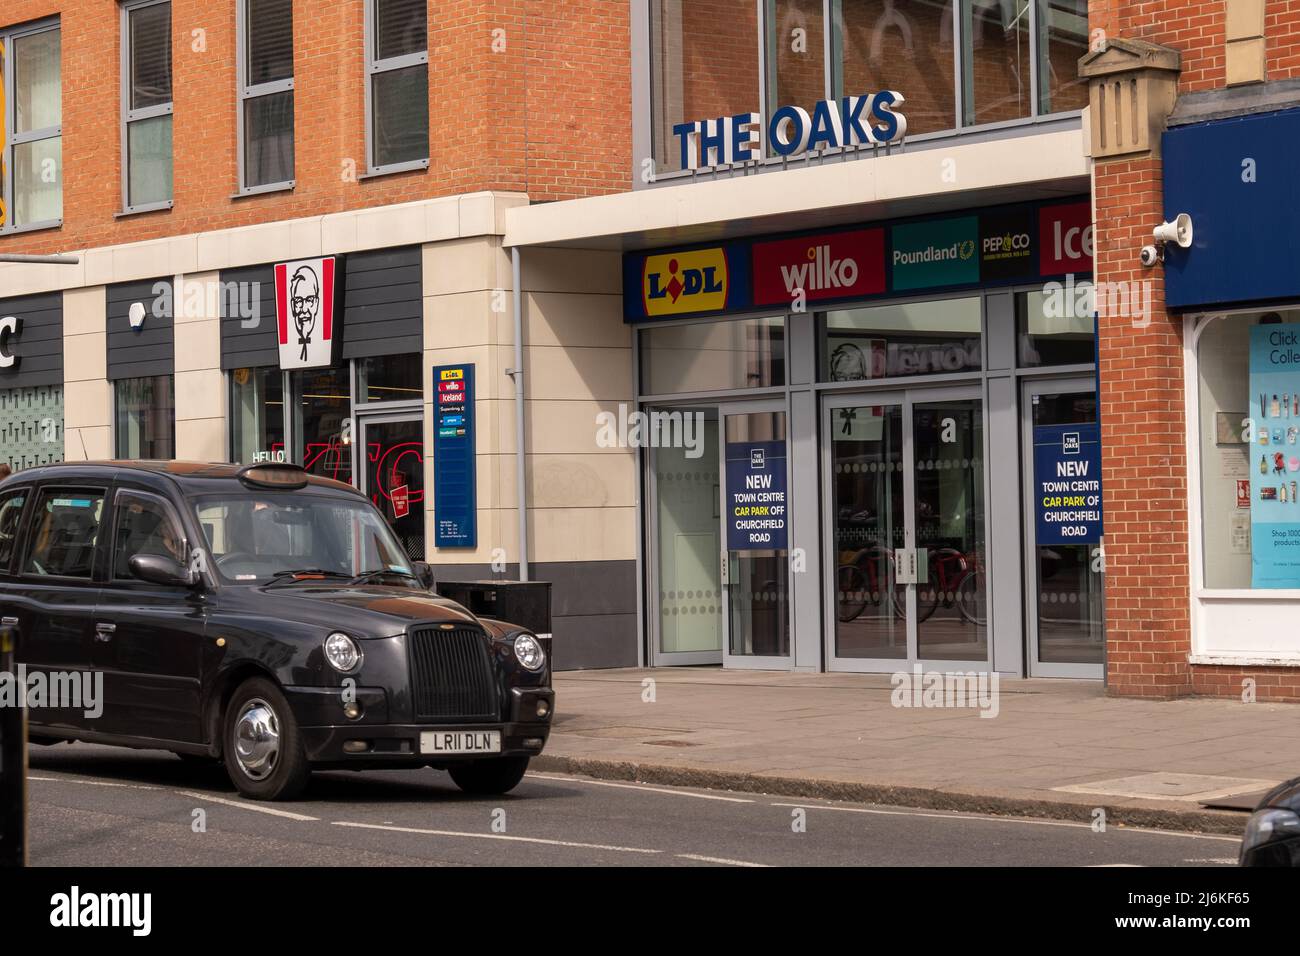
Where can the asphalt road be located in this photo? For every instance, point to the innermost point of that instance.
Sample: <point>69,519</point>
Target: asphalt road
<point>103,806</point>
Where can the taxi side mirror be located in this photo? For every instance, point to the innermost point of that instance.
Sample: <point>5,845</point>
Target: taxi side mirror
<point>424,572</point>
<point>157,569</point>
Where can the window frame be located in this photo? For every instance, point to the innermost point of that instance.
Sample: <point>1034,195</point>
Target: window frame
<point>14,139</point>
<point>153,497</point>
<point>129,116</point>
<point>373,68</point>
<point>39,494</point>
<point>245,94</point>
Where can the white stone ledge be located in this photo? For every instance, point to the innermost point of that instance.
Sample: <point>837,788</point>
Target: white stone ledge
<point>415,223</point>
<point>1014,167</point>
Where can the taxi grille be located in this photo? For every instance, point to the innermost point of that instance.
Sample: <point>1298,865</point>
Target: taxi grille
<point>451,675</point>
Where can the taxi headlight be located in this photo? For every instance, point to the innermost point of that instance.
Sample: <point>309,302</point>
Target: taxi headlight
<point>342,653</point>
<point>529,653</point>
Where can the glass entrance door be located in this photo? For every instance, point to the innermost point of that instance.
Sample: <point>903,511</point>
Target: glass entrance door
<point>1065,582</point>
<point>755,529</point>
<point>905,488</point>
<point>391,463</point>
<point>685,525</point>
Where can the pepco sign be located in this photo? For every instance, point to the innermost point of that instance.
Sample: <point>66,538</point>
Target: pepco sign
<point>831,265</point>
<point>685,282</point>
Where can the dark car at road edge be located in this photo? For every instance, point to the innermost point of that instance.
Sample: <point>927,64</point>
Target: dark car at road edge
<point>261,616</point>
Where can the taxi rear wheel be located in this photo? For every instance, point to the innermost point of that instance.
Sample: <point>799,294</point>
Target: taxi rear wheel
<point>490,777</point>
<point>262,748</point>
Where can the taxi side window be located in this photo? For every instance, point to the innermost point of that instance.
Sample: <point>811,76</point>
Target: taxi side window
<point>145,525</point>
<point>65,532</point>
<point>11,512</point>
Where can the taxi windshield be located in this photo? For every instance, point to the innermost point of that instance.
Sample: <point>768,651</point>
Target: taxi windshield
<point>282,537</point>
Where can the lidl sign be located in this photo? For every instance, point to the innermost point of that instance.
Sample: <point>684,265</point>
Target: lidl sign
<point>684,282</point>
<point>1026,242</point>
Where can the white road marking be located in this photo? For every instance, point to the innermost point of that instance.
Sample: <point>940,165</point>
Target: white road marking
<point>496,836</point>
<point>717,859</point>
<point>1221,860</point>
<point>94,783</point>
<point>1037,823</point>
<point>637,786</point>
<point>241,804</point>
<point>246,805</point>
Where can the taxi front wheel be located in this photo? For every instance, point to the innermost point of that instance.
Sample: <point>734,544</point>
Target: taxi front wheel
<point>262,747</point>
<point>489,777</point>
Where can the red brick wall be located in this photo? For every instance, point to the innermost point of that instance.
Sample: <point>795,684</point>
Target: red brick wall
<point>1148,587</point>
<point>1144,445</point>
<point>564,133</point>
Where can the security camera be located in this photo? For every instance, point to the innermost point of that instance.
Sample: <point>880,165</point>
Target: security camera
<point>1150,256</point>
<point>1179,231</point>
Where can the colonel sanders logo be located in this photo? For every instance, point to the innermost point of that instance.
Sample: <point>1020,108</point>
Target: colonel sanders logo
<point>304,296</point>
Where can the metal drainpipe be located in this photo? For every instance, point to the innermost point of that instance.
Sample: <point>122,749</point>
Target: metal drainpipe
<point>517,373</point>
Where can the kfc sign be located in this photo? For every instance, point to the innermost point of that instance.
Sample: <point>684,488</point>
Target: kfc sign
<point>10,325</point>
<point>833,265</point>
<point>1065,237</point>
<point>304,312</point>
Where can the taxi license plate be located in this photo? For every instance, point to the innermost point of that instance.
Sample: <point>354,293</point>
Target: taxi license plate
<point>460,742</point>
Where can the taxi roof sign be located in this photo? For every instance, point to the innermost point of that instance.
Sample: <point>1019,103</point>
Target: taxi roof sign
<point>274,475</point>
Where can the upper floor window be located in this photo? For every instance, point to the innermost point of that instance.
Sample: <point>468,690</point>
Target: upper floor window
<point>1015,60</point>
<point>146,105</point>
<point>31,186</point>
<point>397,85</point>
<point>265,77</point>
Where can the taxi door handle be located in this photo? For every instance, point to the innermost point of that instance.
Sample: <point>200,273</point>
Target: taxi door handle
<point>8,622</point>
<point>105,632</point>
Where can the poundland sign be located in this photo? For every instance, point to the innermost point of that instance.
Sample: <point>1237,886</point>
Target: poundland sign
<point>867,120</point>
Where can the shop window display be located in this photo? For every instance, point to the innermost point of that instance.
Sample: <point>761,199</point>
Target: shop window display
<point>1249,436</point>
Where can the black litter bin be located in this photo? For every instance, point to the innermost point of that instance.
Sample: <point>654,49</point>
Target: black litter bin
<point>526,603</point>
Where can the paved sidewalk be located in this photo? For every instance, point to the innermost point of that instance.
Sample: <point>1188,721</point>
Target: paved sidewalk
<point>1149,763</point>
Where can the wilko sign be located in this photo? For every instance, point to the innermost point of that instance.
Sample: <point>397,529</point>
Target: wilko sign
<point>304,312</point>
<point>823,266</point>
<point>683,282</point>
<point>1065,239</point>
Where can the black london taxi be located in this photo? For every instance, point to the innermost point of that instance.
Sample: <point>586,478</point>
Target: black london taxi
<point>261,616</point>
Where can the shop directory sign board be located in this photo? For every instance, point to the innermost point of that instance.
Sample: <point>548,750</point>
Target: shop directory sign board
<point>1275,455</point>
<point>455,506</point>
<point>1067,484</point>
<point>998,245</point>
<point>757,513</point>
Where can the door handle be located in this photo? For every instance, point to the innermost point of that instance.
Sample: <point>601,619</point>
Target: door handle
<point>105,632</point>
<point>8,622</point>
